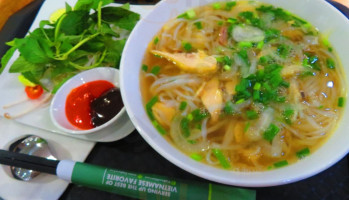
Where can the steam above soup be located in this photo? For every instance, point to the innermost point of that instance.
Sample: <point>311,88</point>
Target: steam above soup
<point>242,85</point>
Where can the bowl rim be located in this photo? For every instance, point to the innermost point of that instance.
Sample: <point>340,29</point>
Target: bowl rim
<point>250,179</point>
<point>67,86</point>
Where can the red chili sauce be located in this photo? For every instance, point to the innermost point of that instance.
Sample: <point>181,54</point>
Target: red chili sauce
<point>78,109</point>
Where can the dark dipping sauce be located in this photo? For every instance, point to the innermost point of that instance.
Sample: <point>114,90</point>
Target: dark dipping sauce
<point>93,104</point>
<point>105,107</point>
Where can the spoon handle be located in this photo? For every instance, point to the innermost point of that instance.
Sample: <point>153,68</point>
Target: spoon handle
<point>146,186</point>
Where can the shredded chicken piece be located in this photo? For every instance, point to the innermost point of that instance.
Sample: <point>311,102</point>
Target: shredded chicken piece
<point>291,70</point>
<point>230,86</point>
<point>198,62</point>
<point>163,114</point>
<point>212,98</point>
<point>295,94</point>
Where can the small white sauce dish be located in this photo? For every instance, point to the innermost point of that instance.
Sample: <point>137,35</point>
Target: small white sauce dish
<point>58,104</point>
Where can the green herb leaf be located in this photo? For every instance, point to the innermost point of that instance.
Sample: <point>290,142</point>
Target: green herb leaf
<point>341,102</point>
<point>251,114</point>
<point>120,17</point>
<point>183,105</point>
<point>230,5</point>
<point>198,25</point>
<point>187,46</point>
<point>149,107</point>
<point>75,22</point>
<point>185,127</point>
<point>90,4</point>
<point>31,50</point>
<point>229,108</point>
<point>6,58</point>
<point>303,153</point>
<point>145,68</point>
<point>271,132</point>
<point>155,70</point>
<point>221,158</point>
<point>282,163</point>
<point>196,156</point>
<point>330,63</point>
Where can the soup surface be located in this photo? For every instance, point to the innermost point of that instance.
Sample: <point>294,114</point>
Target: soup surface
<point>242,85</point>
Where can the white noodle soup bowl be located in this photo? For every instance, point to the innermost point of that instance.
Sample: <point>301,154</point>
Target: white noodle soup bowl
<point>318,12</point>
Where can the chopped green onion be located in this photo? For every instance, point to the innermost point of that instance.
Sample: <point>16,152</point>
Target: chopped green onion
<point>221,158</point>
<point>251,114</point>
<point>145,67</point>
<point>240,101</point>
<point>149,106</point>
<point>159,127</point>
<point>280,99</point>
<point>288,113</point>
<point>229,108</point>
<point>245,44</point>
<point>303,153</point>
<point>199,115</point>
<point>190,117</point>
<point>187,46</point>
<point>341,101</point>
<point>232,20</point>
<point>326,41</point>
<point>183,105</point>
<point>271,132</point>
<point>220,23</point>
<point>156,40</point>
<point>198,25</point>
<point>256,95</point>
<point>227,68</point>
<point>185,127</point>
<point>216,6</point>
<point>189,14</point>
<point>196,157</point>
<point>281,164</point>
<point>230,5</point>
<point>283,50</point>
<point>330,63</point>
<point>198,126</point>
<point>155,70</point>
<point>271,34</point>
<point>192,141</point>
<point>244,56</point>
<point>247,126</point>
<point>260,44</point>
<point>257,86</point>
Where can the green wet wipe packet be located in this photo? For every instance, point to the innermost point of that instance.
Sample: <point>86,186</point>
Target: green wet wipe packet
<point>146,186</point>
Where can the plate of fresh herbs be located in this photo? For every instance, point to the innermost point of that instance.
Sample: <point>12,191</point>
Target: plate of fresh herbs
<point>67,37</point>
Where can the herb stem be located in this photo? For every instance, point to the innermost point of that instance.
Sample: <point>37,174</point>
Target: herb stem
<point>100,14</point>
<point>79,67</point>
<point>59,23</point>
<point>65,55</point>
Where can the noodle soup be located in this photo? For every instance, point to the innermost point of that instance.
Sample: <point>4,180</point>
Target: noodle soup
<point>243,86</point>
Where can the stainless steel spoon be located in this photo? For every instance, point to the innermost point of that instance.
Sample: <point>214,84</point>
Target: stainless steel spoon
<point>31,145</point>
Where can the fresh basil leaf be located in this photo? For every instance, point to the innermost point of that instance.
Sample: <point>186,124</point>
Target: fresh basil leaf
<point>68,8</point>
<point>90,4</point>
<point>31,50</point>
<point>6,58</point>
<point>22,65</point>
<point>75,22</point>
<point>114,52</point>
<point>120,17</point>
